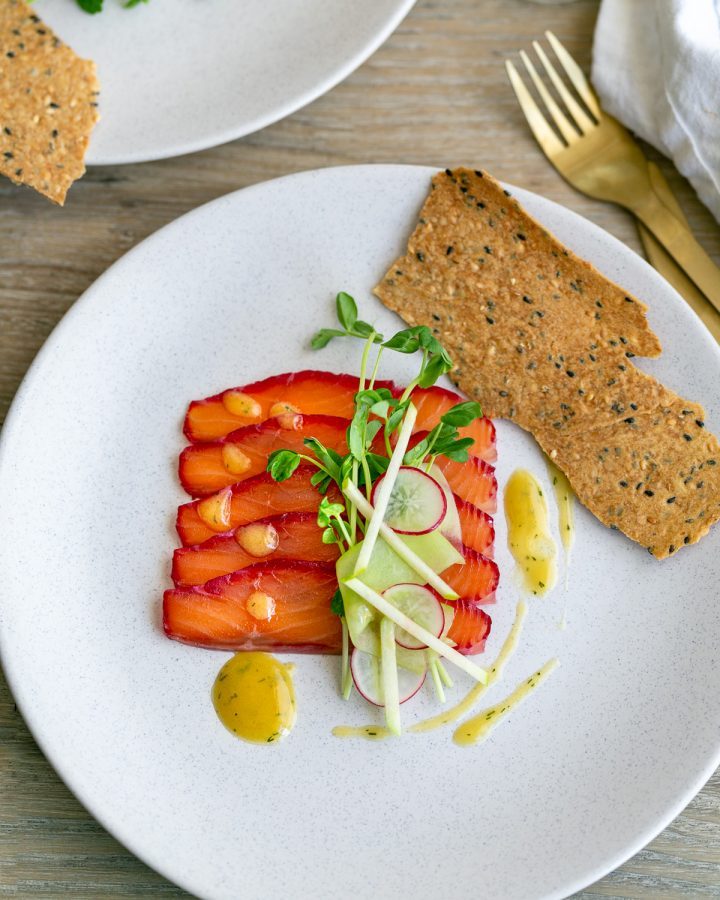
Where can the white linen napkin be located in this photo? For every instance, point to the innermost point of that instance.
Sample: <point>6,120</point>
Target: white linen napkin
<point>656,68</point>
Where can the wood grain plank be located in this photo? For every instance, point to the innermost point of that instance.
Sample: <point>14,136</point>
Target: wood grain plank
<point>435,94</point>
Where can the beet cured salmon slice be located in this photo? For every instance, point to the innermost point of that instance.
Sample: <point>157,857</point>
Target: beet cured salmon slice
<point>470,627</point>
<point>476,579</point>
<point>477,527</point>
<point>433,402</point>
<point>208,467</point>
<point>309,392</point>
<point>280,605</point>
<point>473,481</point>
<point>253,499</point>
<point>296,536</point>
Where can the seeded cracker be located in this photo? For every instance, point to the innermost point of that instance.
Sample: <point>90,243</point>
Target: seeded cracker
<point>539,336</point>
<point>48,104</point>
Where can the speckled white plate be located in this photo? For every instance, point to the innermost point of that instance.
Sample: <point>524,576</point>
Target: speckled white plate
<point>181,75</point>
<point>590,769</point>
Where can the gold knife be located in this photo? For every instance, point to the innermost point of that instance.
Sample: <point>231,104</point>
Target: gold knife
<point>667,267</point>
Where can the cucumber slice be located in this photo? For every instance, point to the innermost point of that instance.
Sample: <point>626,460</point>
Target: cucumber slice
<point>450,526</point>
<point>367,675</point>
<point>417,503</point>
<point>385,569</point>
<point>422,606</point>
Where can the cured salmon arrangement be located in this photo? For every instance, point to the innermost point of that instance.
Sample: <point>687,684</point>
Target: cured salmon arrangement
<point>263,524</point>
<point>331,514</point>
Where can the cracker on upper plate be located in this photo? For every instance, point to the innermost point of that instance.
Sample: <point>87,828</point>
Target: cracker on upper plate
<point>48,104</point>
<point>539,336</point>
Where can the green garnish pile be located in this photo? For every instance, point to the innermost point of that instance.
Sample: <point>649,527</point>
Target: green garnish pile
<point>379,440</point>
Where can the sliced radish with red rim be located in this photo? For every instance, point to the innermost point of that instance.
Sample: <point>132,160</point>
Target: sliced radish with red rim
<point>367,676</point>
<point>417,503</point>
<point>422,606</point>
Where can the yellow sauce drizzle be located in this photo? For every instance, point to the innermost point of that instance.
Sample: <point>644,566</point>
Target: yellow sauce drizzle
<point>369,732</point>
<point>478,728</point>
<point>254,698</point>
<point>565,497</point>
<point>494,672</point>
<point>529,537</point>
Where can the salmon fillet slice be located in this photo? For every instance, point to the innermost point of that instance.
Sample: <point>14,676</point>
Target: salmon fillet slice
<point>476,579</point>
<point>470,627</point>
<point>311,392</point>
<point>207,467</point>
<point>218,614</point>
<point>473,481</point>
<point>298,538</point>
<point>254,499</point>
<point>477,527</point>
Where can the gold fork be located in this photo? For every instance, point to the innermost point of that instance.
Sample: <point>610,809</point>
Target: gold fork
<point>598,157</point>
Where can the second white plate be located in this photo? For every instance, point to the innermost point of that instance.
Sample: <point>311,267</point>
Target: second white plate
<point>185,75</point>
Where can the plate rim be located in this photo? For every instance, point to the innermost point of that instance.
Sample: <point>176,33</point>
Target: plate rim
<point>24,704</point>
<point>225,135</point>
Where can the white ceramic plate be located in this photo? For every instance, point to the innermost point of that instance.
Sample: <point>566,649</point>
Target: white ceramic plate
<point>590,769</point>
<point>184,75</point>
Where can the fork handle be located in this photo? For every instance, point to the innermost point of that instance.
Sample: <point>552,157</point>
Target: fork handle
<point>680,243</point>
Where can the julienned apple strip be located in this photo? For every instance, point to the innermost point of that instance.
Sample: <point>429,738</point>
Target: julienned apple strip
<point>399,546</point>
<point>434,643</point>
<point>385,490</point>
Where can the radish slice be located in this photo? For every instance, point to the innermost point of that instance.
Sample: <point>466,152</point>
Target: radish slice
<point>422,606</point>
<point>367,675</point>
<point>417,503</point>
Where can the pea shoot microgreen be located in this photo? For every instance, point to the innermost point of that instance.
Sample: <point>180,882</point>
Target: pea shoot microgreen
<point>379,441</point>
<point>379,414</point>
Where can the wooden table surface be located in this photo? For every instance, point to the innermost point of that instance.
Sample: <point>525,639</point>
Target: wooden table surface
<point>435,94</point>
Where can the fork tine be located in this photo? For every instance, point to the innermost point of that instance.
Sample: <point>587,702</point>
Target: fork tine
<point>544,135</point>
<point>582,120</point>
<point>576,75</point>
<point>557,115</point>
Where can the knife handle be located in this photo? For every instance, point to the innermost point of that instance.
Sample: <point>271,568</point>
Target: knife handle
<point>680,243</point>
<point>667,267</point>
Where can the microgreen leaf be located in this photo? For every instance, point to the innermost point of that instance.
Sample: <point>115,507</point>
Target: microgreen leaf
<point>91,6</point>
<point>336,604</point>
<point>330,459</point>
<point>282,463</point>
<point>435,367</point>
<point>396,417</point>
<point>321,481</point>
<point>416,454</point>
<point>327,511</point>
<point>371,430</point>
<point>458,451</point>
<point>364,330</point>
<point>347,311</point>
<point>323,337</point>
<point>377,464</point>
<point>355,441</point>
<point>462,414</point>
<point>405,341</point>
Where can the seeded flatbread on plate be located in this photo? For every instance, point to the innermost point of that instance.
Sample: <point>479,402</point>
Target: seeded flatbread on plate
<point>48,104</point>
<point>539,336</point>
